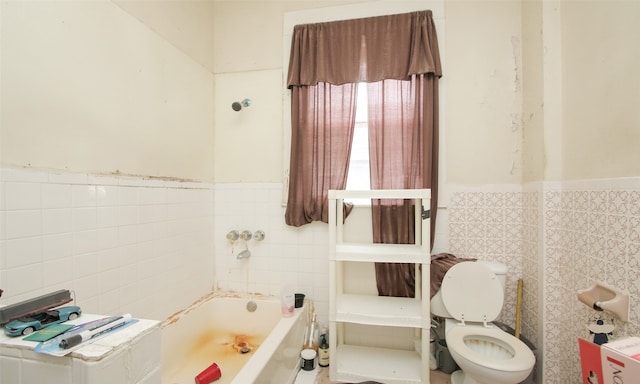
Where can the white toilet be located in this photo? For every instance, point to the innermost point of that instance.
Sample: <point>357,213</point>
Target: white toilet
<point>471,296</point>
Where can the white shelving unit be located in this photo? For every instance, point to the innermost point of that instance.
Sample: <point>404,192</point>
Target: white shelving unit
<point>353,363</point>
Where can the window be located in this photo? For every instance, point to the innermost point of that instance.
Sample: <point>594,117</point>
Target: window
<point>328,63</point>
<point>358,177</point>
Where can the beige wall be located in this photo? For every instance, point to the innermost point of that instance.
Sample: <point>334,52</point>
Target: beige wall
<point>146,87</point>
<point>484,92</point>
<point>88,88</point>
<point>482,145</point>
<point>601,89</point>
<point>249,51</point>
<point>533,151</point>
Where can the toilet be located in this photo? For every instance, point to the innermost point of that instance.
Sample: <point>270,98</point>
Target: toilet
<point>470,297</point>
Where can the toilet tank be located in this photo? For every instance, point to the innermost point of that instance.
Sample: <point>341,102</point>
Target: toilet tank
<point>499,269</point>
<point>437,306</point>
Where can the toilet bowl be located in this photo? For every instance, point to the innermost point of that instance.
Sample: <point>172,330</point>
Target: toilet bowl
<point>473,296</point>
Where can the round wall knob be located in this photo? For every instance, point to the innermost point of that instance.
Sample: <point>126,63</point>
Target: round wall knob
<point>259,235</point>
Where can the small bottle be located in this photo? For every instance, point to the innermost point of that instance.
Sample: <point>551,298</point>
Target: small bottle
<point>311,337</point>
<point>323,351</point>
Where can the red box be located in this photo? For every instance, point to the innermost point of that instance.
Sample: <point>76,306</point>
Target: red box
<point>591,361</point>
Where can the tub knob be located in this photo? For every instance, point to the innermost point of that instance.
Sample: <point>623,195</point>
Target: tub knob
<point>259,235</point>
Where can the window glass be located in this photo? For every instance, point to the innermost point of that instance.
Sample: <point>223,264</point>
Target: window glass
<point>358,177</point>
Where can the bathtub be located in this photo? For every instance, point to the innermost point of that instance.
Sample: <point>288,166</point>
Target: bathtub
<point>220,328</point>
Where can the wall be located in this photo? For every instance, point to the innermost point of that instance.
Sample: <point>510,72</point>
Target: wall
<point>588,211</point>
<point>249,64</point>
<point>88,88</point>
<point>551,134</point>
<point>484,79</point>
<point>600,89</point>
<point>120,244</point>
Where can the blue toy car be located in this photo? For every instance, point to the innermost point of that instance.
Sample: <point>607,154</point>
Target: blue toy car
<point>29,324</point>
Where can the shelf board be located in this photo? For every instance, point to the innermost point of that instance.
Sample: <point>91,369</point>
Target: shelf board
<point>381,194</point>
<point>379,310</point>
<point>381,253</point>
<point>389,366</point>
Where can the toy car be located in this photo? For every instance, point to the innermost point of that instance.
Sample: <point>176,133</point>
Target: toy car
<point>29,324</point>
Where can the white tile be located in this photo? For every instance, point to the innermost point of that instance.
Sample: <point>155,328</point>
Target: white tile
<point>68,178</point>
<point>152,196</point>
<point>112,369</point>
<point>10,369</point>
<point>153,377</point>
<point>20,175</point>
<point>23,280</point>
<point>23,224</point>
<point>24,251</point>
<point>127,235</point>
<point>107,195</point>
<point>56,196</point>
<point>87,290</point>
<point>127,215</point>
<point>84,218</point>
<point>51,371</point>
<point>106,238</point>
<point>57,272</point>
<point>84,242</point>
<point>56,221</point>
<point>127,196</point>
<point>107,216</point>
<point>57,246</point>
<point>83,195</point>
<point>86,264</point>
<point>146,356</point>
<point>23,196</point>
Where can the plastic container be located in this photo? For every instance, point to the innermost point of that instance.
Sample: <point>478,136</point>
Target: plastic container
<point>209,375</point>
<point>308,359</point>
<point>287,301</point>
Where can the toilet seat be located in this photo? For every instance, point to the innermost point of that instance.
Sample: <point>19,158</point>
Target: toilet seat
<point>472,292</point>
<point>521,356</point>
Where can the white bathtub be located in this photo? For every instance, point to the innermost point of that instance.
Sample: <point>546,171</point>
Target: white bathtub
<point>217,327</point>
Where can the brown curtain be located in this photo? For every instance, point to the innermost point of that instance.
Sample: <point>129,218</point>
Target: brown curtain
<point>375,50</point>
<point>369,49</point>
<point>324,117</point>
<point>403,155</point>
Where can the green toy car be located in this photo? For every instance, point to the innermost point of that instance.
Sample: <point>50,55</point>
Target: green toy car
<point>29,324</point>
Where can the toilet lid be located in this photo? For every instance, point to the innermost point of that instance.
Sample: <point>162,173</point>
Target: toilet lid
<point>471,292</point>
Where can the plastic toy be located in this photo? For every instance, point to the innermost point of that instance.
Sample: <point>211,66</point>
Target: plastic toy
<point>28,324</point>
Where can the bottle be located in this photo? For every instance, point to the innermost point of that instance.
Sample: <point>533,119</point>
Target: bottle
<point>323,351</point>
<point>287,301</point>
<point>311,337</point>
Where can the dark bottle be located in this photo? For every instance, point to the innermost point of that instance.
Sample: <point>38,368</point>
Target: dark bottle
<point>323,351</point>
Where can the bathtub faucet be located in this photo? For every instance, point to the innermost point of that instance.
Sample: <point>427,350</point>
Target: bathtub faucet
<point>243,255</point>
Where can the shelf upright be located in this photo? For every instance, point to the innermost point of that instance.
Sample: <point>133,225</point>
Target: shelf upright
<point>351,362</point>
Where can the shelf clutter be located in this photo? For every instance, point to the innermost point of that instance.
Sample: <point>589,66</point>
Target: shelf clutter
<point>383,318</point>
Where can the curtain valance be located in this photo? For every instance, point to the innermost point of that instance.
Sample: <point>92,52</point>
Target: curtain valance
<point>374,49</point>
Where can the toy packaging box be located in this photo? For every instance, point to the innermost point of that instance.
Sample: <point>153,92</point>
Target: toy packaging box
<point>615,362</point>
<point>591,361</point>
<point>621,361</point>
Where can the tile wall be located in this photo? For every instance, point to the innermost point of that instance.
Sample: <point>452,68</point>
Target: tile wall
<point>121,244</point>
<point>146,246</point>
<point>287,255</point>
<point>559,238</point>
<point>591,233</point>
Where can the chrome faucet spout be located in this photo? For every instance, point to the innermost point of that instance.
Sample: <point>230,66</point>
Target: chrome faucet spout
<point>243,255</point>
